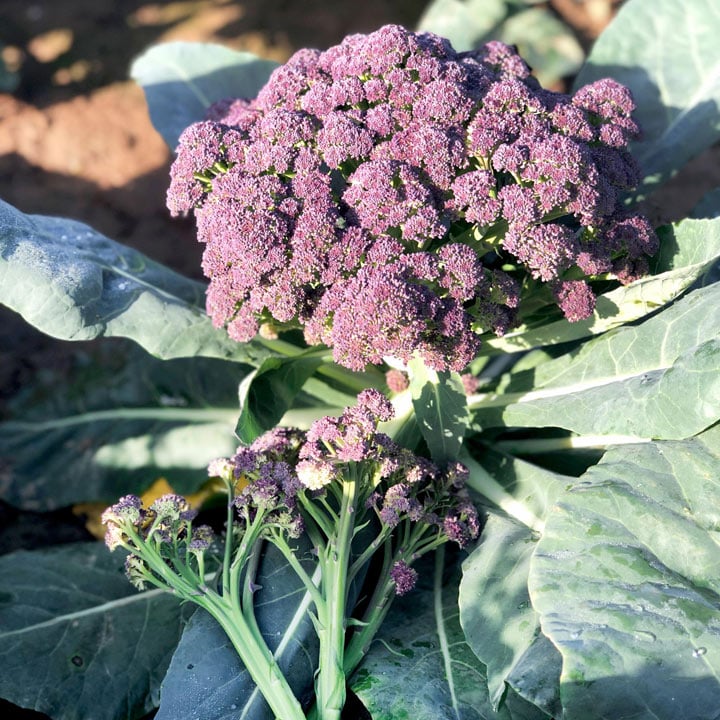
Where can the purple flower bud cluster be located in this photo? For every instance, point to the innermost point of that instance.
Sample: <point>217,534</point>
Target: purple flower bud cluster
<point>126,513</point>
<point>201,538</point>
<point>166,522</point>
<point>352,437</point>
<point>272,472</point>
<point>470,383</point>
<point>170,515</point>
<point>404,486</point>
<point>397,380</point>
<point>267,480</point>
<point>404,577</point>
<point>416,490</point>
<point>371,193</point>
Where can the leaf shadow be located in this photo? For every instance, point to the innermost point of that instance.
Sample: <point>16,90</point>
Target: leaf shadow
<point>101,425</point>
<point>674,688</point>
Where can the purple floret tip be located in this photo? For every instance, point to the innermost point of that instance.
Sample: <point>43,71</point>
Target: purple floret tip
<point>576,299</point>
<point>404,577</point>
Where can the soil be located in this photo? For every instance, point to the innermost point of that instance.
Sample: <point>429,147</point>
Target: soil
<point>76,141</point>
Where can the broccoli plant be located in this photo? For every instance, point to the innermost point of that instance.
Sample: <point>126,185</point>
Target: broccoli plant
<point>442,427</point>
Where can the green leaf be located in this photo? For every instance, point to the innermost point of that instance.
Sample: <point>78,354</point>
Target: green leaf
<point>533,489</point>
<point>72,283</point>
<point>205,652</point>
<point>612,310</point>
<point>440,409</point>
<point>268,393</point>
<point>667,53</point>
<point>466,24</point>
<point>182,79</point>
<point>688,244</point>
<point>419,665</point>
<point>660,379</point>
<point>496,615</point>
<point>77,640</point>
<point>113,423</point>
<point>687,249</point>
<point>499,622</point>
<point>626,578</point>
<point>546,43</point>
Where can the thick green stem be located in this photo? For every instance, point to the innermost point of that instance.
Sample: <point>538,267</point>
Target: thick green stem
<point>440,626</point>
<point>168,576</point>
<point>283,347</point>
<point>330,682</point>
<point>413,545</point>
<point>258,660</point>
<point>364,558</point>
<point>279,541</point>
<point>238,623</point>
<point>227,555</point>
<point>248,545</point>
<point>377,609</point>
<point>548,445</point>
<point>481,481</point>
<point>246,604</point>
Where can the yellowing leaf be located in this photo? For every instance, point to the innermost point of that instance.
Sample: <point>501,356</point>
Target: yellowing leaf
<point>93,511</point>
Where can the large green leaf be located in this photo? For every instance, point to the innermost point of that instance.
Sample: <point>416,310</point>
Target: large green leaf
<point>440,409</point>
<point>420,666</point>
<point>626,578</point>
<point>182,79</point>
<point>690,244</point>
<point>546,43</point>
<point>465,23</point>
<point>542,39</point>
<point>113,423</point>
<point>71,282</point>
<point>660,379</point>
<point>667,53</point>
<point>687,249</point>
<point>499,622</point>
<point>268,393</point>
<point>205,652</point>
<point>77,640</point>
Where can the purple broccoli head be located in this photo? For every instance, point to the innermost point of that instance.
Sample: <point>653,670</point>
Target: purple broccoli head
<point>390,196</point>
